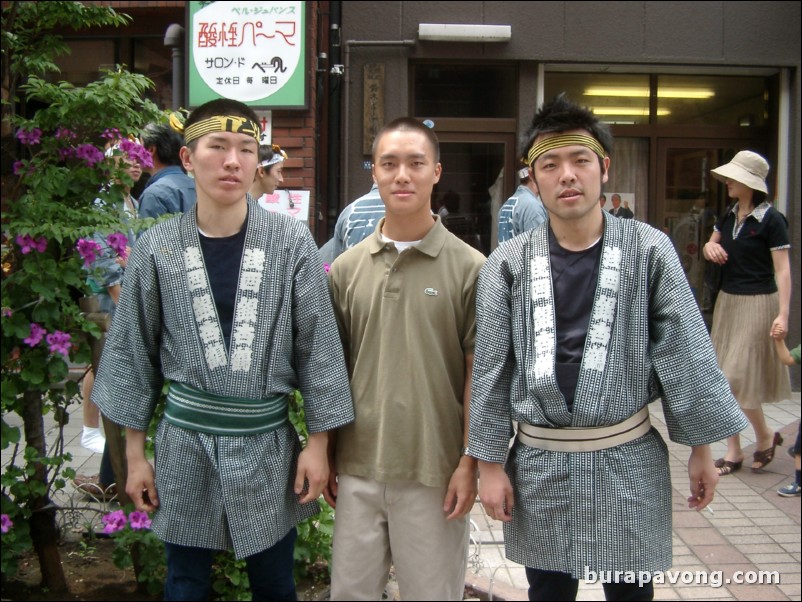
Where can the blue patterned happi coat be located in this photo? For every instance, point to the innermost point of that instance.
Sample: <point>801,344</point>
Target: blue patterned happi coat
<point>608,509</point>
<point>226,491</point>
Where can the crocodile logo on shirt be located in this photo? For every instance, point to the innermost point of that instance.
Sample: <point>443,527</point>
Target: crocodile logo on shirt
<point>432,292</point>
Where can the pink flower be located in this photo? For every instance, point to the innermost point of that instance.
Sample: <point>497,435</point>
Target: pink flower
<point>29,137</point>
<point>59,342</point>
<point>114,521</point>
<point>7,313</point>
<point>89,153</point>
<point>88,250</point>
<point>327,267</point>
<point>119,242</point>
<point>28,244</point>
<point>37,333</point>
<point>65,134</point>
<point>139,520</point>
<point>136,153</point>
<point>5,523</point>
<point>110,134</point>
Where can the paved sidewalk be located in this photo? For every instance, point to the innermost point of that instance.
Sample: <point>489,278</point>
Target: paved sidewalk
<point>751,528</point>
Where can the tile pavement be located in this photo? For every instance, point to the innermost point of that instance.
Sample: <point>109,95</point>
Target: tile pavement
<point>750,528</point>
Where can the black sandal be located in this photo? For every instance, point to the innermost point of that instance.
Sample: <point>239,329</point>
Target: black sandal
<point>763,458</point>
<point>726,467</point>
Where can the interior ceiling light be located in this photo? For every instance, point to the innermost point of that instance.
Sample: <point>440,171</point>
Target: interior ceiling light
<point>627,111</point>
<point>644,92</point>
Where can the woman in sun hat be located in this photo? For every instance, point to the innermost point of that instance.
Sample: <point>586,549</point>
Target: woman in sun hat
<point>750,243</point>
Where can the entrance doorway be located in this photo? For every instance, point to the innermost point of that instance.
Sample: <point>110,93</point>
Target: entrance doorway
<point>473,185</point>
<point>690,202</point>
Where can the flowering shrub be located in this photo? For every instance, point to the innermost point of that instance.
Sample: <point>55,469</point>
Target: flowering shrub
<point>131,533</point>
<point>59,168</point>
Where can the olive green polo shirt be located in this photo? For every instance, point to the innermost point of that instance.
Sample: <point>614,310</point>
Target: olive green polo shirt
<point>407,322</point>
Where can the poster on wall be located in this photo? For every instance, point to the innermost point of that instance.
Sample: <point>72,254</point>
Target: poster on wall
<point>254,52</point>
<point>620,204</point>
<point>294,203</point>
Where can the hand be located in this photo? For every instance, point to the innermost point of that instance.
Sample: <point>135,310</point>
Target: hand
<point>495,491</point>
<point>313,469</point>
<point>715,252</point>
<point>779,327</point>
<point>461,493</point>
<point>330,491</point>
<point>703,477</point>
<point>141,485</point>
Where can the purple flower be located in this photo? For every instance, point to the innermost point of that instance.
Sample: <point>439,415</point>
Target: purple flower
<point>5,523</point>
<point>37,333</point>
<point>114,521</point>
<point>65,134</point>
<point>28,243</point>
<point>90,154</point>
<point>17,167</point>
<point>119,242</point>
<point>66,152</point>
<point>29,137</point>
<point>110,134</point>
<point>139,520</point>
<point>59,342</point>
<point>7,313</point>
<point>136,153</point>
<point>88,250</point>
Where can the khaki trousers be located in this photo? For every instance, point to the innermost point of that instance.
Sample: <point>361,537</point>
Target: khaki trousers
<point>377,524</point>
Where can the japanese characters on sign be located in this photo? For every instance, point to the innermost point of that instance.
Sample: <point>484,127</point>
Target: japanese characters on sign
<point>253,52</point>
<point>294,203</point>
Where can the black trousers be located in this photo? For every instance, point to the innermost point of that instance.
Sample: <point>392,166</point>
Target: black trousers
<point>554,585</point>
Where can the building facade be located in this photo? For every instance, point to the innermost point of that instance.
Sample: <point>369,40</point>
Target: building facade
<point>684,85</point>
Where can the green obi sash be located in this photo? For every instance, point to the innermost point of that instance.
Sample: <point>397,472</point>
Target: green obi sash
<point>204,412</point>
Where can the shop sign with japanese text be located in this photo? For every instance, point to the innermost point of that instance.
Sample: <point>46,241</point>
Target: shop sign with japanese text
<point>254,52</point>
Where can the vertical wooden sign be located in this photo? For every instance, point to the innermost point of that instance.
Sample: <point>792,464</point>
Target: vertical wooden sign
<point>373,107</point>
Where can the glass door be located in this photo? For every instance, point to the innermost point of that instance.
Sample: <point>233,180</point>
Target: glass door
<point>691,201</point>
<point>474,184</point>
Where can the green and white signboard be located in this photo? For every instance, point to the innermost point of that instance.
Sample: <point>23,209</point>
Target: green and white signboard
<point>254,52</point>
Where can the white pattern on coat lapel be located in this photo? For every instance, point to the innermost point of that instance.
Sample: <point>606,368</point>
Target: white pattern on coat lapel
<point>541,339</point>
<point>589,387</point>
<point>203,307</point>
<point>246,311</point>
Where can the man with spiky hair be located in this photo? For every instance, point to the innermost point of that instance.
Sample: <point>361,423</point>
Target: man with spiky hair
<point>581,323</point>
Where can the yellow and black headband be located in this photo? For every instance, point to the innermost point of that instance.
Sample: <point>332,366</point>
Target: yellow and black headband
<point>564,140</point>
<point>221,123</point>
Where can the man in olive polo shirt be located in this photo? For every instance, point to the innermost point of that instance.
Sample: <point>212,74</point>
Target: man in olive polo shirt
<point>405,303</point>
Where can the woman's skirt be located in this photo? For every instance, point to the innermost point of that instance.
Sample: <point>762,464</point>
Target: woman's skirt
<point>745,349</point>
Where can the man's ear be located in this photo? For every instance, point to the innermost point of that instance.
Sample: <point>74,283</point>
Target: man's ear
<point>605,175</point>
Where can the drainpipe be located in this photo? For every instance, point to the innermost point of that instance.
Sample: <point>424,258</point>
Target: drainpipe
<point>334,114</point>
<point>348,45</point>
<point>174,38</point>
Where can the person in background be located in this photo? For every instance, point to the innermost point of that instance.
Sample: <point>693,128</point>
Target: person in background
<point>617,210</point>
<point>169,189</point>
<point>750,242</point>
<point>405,304</point>
<point>580,326</point>
<point>522,211</point>
<point>229,304</point>
<point>105,283</point>
<point>270,173</point>
<point>790,358</point>
<point>355,223</point>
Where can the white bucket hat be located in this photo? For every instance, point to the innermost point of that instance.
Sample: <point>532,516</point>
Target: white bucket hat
<point>748,168</point>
